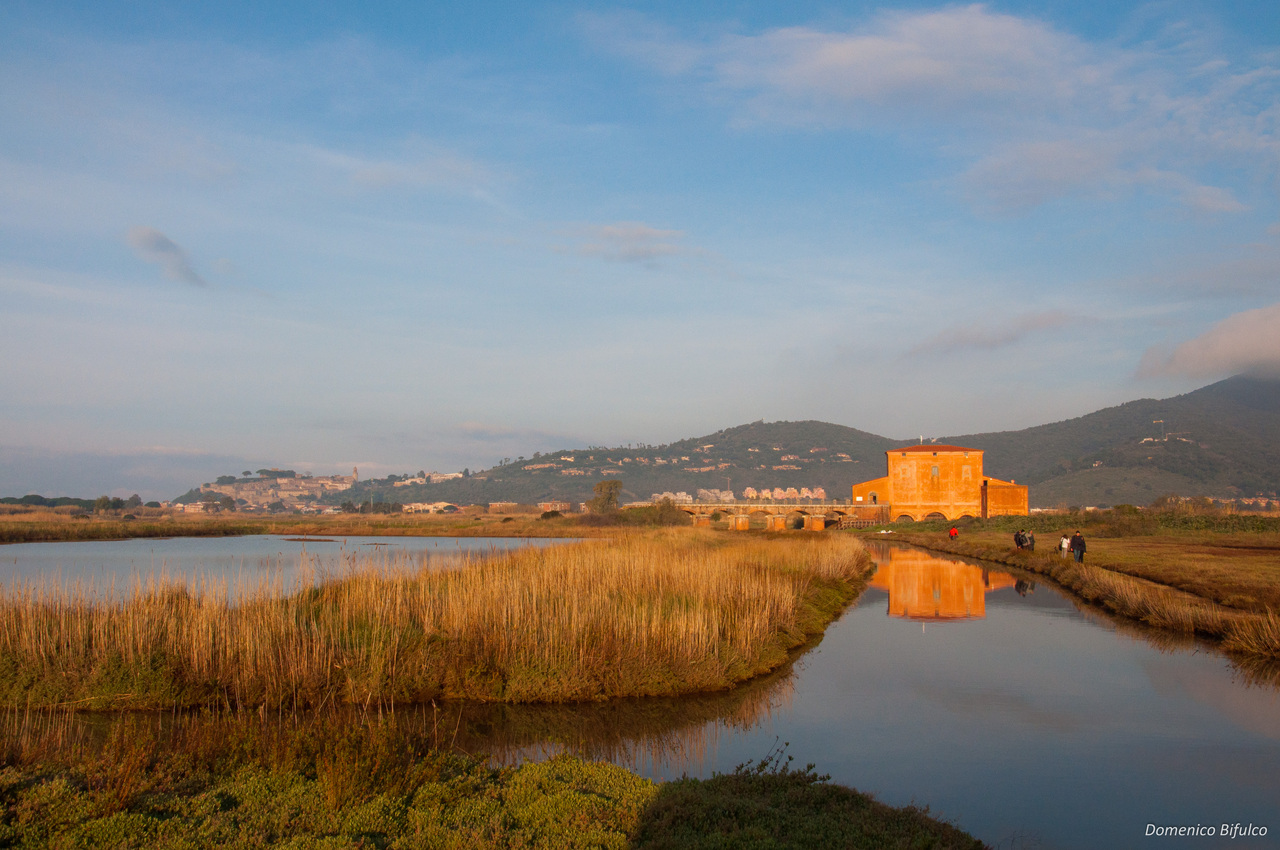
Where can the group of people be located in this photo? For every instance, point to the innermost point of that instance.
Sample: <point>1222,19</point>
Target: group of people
<point>1073,545</point>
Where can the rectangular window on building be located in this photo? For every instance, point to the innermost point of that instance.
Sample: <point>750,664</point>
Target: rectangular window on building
<point>934,473</point>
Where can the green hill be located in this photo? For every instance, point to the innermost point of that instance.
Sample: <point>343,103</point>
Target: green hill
<point>1222,440</point>
<point>774,454</point>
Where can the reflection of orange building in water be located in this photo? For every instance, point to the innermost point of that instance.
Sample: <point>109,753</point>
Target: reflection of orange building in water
<point>940,482</point>
<point>922,586</point>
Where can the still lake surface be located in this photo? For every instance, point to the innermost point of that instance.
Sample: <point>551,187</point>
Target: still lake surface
<point>996,702</point>
<point>245,561</point>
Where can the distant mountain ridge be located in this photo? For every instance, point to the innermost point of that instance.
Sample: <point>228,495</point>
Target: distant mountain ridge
<point>1222,440</point>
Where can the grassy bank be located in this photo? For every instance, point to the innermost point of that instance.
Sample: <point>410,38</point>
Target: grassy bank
<point>237,780</point>
<point>1224,588</point>
<point>644,614</point>
<point>41,526</point>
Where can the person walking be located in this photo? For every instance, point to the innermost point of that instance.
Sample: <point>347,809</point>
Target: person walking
<point>1031,540</point>
<point>953,533</point>
<point>1064,545</point>
<point>1077,547</point>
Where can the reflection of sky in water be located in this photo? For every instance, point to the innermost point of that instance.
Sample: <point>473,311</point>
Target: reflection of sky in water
<point>247,559</point>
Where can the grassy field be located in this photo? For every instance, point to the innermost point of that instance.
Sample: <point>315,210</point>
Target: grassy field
<point>375,782</point>
<point>646,613</point>
<point>1183,577</point>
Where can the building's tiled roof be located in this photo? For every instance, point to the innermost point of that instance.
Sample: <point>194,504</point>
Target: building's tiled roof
<point>931,447</point>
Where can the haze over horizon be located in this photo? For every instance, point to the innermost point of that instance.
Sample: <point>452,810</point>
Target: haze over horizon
<point>403,238</point>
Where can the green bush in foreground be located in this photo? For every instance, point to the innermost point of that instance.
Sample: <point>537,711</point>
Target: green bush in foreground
<point>562,803</point>
<point>461,804</point>
<point>351,783</point>
<point>770,805</point>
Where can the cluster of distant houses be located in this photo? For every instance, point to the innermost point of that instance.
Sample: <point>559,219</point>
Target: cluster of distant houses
<point>427,478</point>
<point>777,494</point>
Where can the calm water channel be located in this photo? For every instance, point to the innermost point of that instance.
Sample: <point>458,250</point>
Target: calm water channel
<point>992,700</point>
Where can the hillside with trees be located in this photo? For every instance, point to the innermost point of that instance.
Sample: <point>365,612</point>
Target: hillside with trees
<point>1222,440</point>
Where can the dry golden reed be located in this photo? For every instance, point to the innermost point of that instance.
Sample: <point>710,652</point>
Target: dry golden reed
<point>643,614</point>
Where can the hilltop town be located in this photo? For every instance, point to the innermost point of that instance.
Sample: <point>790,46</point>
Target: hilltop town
<point>270,489</point>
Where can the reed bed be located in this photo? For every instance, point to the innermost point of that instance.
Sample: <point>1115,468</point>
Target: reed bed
<point>642,615</point>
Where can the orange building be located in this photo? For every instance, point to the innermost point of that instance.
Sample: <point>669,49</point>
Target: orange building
<point>940,482</point>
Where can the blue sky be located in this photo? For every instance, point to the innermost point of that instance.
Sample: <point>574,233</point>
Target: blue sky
<point>431,236</point>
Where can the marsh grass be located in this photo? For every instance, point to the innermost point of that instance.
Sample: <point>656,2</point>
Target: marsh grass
<point>1258,636</point>
<point>645,614</point>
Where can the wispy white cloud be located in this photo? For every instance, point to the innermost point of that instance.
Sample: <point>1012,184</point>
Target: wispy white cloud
<point>422,166</point>
<point>1245,342</point>
<point>932,65</point>
<point>1030,173</point>
<point>630,242</point>
<point>987,338</point>
<point>1039,112</point>
<point>154,247</point>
